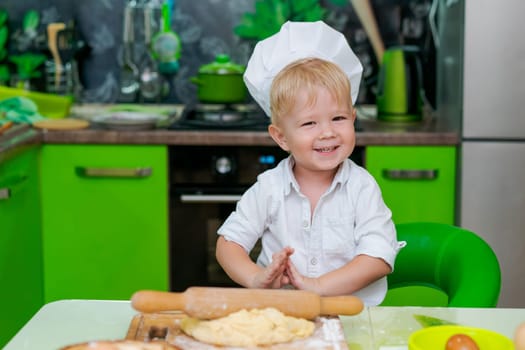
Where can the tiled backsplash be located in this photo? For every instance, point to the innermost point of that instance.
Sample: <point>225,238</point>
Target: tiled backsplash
<point>206,29</point>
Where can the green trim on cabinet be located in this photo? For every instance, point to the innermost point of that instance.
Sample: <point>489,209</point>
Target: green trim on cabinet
<point>105,234</point>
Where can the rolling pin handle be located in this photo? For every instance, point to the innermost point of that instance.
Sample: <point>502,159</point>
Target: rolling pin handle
<point>150,301</point>
<point>341,305</point>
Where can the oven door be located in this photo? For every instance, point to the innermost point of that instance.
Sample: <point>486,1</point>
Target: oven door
<point>195,217</point>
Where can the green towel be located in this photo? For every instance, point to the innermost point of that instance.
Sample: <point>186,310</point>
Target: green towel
<point>19,110</point>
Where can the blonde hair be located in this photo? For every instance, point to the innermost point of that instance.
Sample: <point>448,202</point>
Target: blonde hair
<point>307,74</point>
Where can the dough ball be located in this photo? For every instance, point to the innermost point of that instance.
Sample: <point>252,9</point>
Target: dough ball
<point>249,328</point>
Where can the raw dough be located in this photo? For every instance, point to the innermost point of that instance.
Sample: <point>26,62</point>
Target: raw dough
<point>249,328</point>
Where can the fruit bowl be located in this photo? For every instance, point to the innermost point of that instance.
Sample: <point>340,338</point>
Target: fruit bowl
<point>436,337</point>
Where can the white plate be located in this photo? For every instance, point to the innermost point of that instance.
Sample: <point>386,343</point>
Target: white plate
<point>129,120</point>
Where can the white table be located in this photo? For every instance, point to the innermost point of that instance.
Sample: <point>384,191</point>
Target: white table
<point>388,328</point>
<point>67,322</point>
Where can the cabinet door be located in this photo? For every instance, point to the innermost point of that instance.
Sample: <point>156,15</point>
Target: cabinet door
<point>105,220</point>
<point>418,182</point>
<point>21,291</point>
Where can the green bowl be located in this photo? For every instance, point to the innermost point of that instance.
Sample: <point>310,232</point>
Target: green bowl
<point>435,338</point>
<point>49,105</point>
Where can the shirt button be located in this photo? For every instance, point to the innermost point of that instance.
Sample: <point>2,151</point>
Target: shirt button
<point>305,224</point>
<point>313,261</point>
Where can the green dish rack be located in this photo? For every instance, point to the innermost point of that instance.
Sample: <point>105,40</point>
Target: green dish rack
<point>49,105</point>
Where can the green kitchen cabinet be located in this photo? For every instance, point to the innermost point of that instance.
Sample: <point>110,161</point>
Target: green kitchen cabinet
<point>21,290</point>
<point>104,220</point>
<point>418,182</point>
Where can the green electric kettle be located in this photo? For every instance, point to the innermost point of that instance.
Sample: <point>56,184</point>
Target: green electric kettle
<point>400,93</point>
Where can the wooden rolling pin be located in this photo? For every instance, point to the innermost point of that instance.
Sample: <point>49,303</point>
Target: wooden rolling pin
<point>215,302</point>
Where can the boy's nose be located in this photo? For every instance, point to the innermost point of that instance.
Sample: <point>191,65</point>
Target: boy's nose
<point>327,130</point>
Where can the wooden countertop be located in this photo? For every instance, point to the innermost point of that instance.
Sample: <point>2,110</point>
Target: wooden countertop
<point>16,139</point>
<point>370,132</point>
<point>374,135</point>
<point>236,138</point>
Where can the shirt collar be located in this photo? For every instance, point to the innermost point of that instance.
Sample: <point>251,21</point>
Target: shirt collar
<point>341,177</point>
<point>289,178</point>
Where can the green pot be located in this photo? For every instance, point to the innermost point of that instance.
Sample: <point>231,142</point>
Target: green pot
<point>221,82</point>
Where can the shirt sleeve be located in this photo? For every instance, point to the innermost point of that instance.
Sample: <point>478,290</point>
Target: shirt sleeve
<point>375,232</point>
<point>246,223</point>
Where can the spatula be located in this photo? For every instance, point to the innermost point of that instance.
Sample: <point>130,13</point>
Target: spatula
<point>215,302</point>
<point>364,11</point>
<point>52,29</point>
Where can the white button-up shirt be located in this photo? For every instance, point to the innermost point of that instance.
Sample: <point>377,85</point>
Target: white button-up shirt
<point>350,219</point>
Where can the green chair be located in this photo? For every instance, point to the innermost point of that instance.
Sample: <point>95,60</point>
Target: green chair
<point>443,265</point>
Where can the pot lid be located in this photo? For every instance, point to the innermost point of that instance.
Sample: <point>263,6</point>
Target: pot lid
<point>222,65</point>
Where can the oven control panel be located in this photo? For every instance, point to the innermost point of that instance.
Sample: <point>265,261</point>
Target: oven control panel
<point>227,165</point>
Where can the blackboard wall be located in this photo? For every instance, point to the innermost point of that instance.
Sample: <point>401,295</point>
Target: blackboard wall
<point>206,29</point>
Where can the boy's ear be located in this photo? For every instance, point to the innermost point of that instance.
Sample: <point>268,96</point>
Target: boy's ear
<point>354,114</point>
<point>278,136</point>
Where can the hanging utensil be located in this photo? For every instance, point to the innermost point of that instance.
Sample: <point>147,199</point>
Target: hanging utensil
<point>150,79</point>
<point>69,45</point>
<point>52,30</point>
<point>67,48</point>
<point>166,44</point>
<point>364,11</point>
<point>129,73</point>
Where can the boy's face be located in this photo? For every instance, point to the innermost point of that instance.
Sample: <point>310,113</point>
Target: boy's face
<point>319,135</point>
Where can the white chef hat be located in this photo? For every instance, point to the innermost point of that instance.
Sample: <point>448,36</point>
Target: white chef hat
<point>294,41</point>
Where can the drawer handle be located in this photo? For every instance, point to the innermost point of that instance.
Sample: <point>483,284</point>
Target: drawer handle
<point>209,198</point>
<point>113,172</point>
<point>407,174</point>
<point>12,184</point>
<point>5,193</point>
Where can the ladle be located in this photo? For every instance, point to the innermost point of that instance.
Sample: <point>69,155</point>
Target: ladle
<point>129,74</point>
<point>150,79</point>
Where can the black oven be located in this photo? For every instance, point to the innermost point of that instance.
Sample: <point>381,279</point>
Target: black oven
<point>205,184</point>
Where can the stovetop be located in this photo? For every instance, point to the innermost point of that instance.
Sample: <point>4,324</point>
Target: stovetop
<point>248,117</point>
<point>231,117</point>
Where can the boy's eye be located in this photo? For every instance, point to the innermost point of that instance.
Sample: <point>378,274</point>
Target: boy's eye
<point>307,123</point>
<point>339,117</point>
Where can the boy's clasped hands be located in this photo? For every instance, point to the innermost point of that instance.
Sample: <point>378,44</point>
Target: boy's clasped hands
<point>282,272</point>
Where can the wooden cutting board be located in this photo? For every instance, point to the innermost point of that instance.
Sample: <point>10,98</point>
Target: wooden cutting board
<point>61,124</point>
<point>328,334</point>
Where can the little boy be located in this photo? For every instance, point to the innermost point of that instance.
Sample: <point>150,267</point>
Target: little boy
<point>321,219</point>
